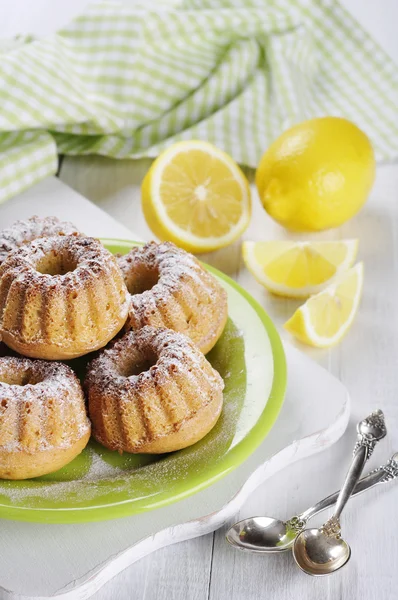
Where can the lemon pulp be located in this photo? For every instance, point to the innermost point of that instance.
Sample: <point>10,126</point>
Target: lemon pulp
<point>196,196</point>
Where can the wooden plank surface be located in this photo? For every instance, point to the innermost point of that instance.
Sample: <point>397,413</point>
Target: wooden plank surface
<point>365,361</point>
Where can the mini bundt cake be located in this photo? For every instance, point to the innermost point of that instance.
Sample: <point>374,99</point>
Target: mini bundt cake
<point>61,297</point>
<point>23,232</point>
<point>169,288</point>
<point>43,420</point>
<point>152,391</point>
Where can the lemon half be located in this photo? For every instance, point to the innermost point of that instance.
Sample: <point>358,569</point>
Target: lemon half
<point>196,196</point>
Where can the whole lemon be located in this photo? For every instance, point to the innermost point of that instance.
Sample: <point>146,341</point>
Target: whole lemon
<point>317,174</point>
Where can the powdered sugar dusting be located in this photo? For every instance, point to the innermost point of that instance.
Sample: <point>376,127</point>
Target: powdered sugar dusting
<point>165,360</point>
<point>181,295</point>
<point>31,391</point>
<point>98,472</point>
<point>22,232</point>
<point>51,278</point>
<point>99,469</point>
<point>84,251</point>
<point>172,350</point>
<point>172,266</point>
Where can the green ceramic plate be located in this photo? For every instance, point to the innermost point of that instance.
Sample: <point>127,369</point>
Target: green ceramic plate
<point>100,484</point>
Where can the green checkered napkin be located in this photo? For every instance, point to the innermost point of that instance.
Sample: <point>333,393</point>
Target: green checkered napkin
<point>127,82</point>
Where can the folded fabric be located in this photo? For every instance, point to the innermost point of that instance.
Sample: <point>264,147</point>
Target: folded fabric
<point>127,82</point>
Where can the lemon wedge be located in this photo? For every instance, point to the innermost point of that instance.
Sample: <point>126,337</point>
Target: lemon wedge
<point>196,196</point>
<point>298,269</point>
<point>325,318</point>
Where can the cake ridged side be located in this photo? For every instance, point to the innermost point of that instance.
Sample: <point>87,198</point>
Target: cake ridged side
<point>131,412</point>
<point>61,316</point>
<point>185,297</point>
<point>45,410</point>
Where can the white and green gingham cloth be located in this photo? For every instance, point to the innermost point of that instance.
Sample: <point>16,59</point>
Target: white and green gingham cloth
<point>127,82</point>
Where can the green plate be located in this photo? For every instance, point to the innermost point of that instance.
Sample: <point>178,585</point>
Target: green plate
<point>100,484</point>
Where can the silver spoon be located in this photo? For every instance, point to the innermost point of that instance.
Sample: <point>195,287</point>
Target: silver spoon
<point>323,551</point>
<point>264,535</point>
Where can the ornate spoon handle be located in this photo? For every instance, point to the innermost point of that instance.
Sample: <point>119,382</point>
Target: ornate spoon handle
<point>383,474</point>
<point>370,431</point>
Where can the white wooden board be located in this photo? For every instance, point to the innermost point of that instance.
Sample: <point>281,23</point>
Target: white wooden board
<point>52,197</point>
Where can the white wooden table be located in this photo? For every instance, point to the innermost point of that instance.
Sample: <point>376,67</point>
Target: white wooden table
<point>366,361</point>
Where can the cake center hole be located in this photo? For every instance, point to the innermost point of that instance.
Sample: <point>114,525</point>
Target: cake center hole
<point>137,363</point>
<point>142,280</point>
<point>18,377</point>
<point>55,263</point>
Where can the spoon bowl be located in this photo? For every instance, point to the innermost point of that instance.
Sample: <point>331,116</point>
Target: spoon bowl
<point>317,553</point>
<point>261,535</point>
